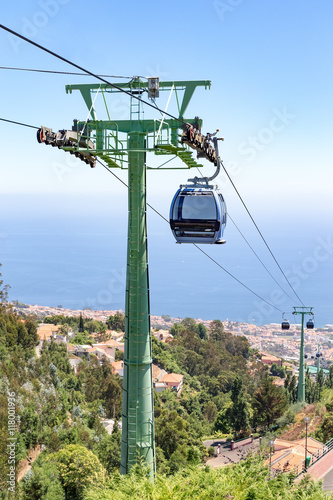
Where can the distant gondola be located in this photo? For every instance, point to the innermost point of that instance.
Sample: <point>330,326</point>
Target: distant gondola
<point>285,325</point>
<point>198,214</point>
<point>310,324</point>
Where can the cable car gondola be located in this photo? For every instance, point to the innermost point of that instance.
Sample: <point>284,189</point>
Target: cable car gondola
<point>198,211</point>
<point>198,214</point>
<point>310,324</point>
<point>285,325</point>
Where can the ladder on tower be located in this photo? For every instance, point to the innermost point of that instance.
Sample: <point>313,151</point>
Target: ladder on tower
<point>135,109</point>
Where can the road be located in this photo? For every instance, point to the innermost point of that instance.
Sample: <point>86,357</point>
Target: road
<point>226,456</point>
<point>328,481</point>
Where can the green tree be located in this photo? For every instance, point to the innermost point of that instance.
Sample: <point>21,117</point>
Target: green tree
<point>112,396</point>
<point>171,433</point>
<point>42,482</point>
<point>202,331</point>
<point>269,402</point>
<point>223,420</point>
<point>320,379</point>
<point>187,325</point>
<point>117,322</point>
<point>290,385</point>
<point>82,339</point>
<point>325,431</point>
<point>22,336</point>
<point>109,450</point>
<point>239,412</point>
<point>3,293</point>
<point>118,355</point>
<point>64,329</point>
<point>29,427</point>
<point>27,334</point>
<point>192,362</point>
<point>81,324</point>
<point>78,469</point>
<point>30,325</point>
<point>278,371</point>
<point>60,319</point>
<point>329,379</point>
<point>312,390</point>
<point>210,411</point>
<point>217,330</point>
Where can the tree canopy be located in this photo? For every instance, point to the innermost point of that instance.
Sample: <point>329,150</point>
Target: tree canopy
<point>269,402</point>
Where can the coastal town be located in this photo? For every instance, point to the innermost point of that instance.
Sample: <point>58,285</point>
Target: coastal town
<point>277,348</point>
<point>267,339</point>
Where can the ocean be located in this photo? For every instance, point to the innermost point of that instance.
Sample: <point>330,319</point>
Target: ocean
<point>79,260</point>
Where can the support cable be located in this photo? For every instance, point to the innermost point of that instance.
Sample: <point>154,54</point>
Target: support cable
<point>255,253</point>
<point>247,242</point>
<point>18,123</point>
<point>158,109</point>
<point>64,72</point>
<point>54,54</point>
<point>194,244</point>
<point>166,220</point>
<point>260,233</point>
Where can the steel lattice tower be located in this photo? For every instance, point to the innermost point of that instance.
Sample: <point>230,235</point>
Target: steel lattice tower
<point>124,144</point>
<point>301,375</point>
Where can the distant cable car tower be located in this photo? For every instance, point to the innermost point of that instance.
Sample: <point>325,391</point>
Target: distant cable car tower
<point>303,311</point>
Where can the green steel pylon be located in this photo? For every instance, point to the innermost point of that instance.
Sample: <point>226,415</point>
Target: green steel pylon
<point>138,411</point>
<point>301,375</point>
<point>124,144</point>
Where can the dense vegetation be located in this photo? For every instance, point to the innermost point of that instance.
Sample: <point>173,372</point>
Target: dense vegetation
<point>226,390</point>
<point>247,480</point>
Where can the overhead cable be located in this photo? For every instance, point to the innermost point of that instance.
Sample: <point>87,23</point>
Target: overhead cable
<point>35,44</point>
<point>251,248</point>
<point>166,220</point>
<point>158,109</point>
<point>194,244</point>
<point>260,233</point>
<point>62,72</point>
<point>18,123</point>
<point>255,253</point>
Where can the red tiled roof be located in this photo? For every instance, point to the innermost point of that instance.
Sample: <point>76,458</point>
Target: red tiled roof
<point>172,377</point>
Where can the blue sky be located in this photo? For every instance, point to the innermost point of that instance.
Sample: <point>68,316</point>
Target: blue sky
<point>271,98</point>
<point>269,63</point>
<point>266,60</point>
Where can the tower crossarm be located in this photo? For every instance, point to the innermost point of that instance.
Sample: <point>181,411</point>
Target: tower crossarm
<point>136,83</point>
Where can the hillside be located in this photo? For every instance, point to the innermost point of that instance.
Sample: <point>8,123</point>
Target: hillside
<point>59,415</point>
